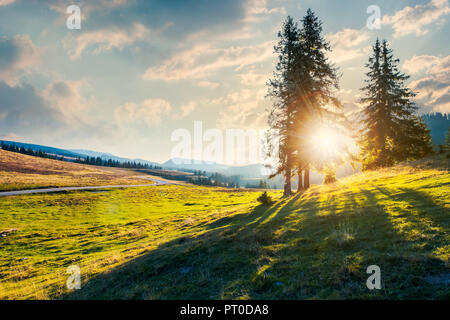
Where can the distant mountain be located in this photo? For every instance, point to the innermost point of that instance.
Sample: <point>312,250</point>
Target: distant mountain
<point>189,164</point>
<point>438,124</point>
<point>76,153</point>
<point>248,171</point>
<point>46,149</point>
<point>109,156</point>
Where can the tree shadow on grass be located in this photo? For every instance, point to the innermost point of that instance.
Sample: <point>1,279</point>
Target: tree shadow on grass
<point>296,248</point>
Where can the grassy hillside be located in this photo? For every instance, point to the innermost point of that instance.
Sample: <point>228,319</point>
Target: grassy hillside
<point>19,171</point>
<point>179,242</point>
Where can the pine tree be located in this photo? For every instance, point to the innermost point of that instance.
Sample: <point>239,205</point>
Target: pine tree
<point>317,79</point>
<point>391,131</point>
<point>282,90</point>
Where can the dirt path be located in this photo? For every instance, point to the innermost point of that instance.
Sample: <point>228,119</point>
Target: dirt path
<point>157,182</point>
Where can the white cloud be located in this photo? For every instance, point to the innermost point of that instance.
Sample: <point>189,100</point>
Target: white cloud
<point>6,2</point>
<point>208,84</point>
<point>256,8</point>
<point>253,78</point>
<point>433,90</point>
<point>204,59</point>
<point>17,55</point>
<point>108,39</point>
<point>244,108</point>
<point>65,96</point>
<point>419,63</point>
<point>413,20</point>
<point>346,44</point>
<point>87,8</point>
<point>187,109</point>
<point>150,112</point>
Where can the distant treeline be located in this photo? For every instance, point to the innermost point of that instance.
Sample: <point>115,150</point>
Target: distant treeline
<point>214,179</point>
<point>198,177</point>
<point>29,151</point>
<point>98,161</point>
<point>261,185</point>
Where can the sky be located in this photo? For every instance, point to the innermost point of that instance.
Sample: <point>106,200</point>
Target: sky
<point>136,71</point>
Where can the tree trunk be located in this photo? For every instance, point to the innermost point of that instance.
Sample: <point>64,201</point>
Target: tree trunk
<point>300,181</point>
<point>306,181</point>
<point>287,184</point>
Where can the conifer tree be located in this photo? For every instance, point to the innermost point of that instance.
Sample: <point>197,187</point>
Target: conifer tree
<point>317,79</point>
<point>282,90</point>
<point>391,131</point>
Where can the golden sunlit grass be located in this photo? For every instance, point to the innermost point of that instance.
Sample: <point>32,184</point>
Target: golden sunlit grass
<point>18,172</point>
<point>181,242</point>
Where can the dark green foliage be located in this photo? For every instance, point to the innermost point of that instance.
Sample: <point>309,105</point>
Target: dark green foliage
<point>264,199</point>
<point>392,132</point>
<point>281,90</point>
<point>303,84</point>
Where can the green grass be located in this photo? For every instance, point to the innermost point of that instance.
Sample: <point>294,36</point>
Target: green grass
<point>182,242</point>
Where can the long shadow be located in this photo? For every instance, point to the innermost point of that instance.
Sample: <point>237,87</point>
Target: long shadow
<point>294,249</point>
<point>212,261</point>
<point>362,238</point>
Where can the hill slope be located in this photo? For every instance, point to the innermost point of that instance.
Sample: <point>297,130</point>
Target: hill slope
<point>315,245</point>
<point>178,242</point>
<point>19,171</point>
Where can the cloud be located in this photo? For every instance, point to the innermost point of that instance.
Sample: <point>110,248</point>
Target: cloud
<point>187,109</point>
<point>242,109</point>
<point>346,44</point>
<point>253,78</point>
<point>430,64</point>
<point>208,84</point>
<point>65,97</point>
<point>433,90</point>
<point>150,112</point>
<point>87,7</point>
<point>204,59</point>
<point>16,56</point>
<point>24,111</point>
<point>108,39</point>
<point>419,63</point>
<point>413,20</point>
<point>6,2</point>
<point>255,8</point>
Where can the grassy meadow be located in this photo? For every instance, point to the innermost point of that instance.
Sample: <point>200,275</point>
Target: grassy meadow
<point>19,172</point>
<point>186,242</point>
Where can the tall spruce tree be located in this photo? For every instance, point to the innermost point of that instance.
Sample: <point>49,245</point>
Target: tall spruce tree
<point>317,81</point>
<point>391,131</point>
<point>303,84</point>
<point>282,89</point>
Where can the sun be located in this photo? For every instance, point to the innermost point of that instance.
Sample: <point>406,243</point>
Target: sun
<point>326,141</point>
<point>329,143</point>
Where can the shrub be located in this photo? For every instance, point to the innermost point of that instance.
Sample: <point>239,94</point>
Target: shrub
<point>264,199</point>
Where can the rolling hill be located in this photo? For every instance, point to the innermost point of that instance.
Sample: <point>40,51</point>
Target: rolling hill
<point>187,242</point>
<point>19,172</point>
